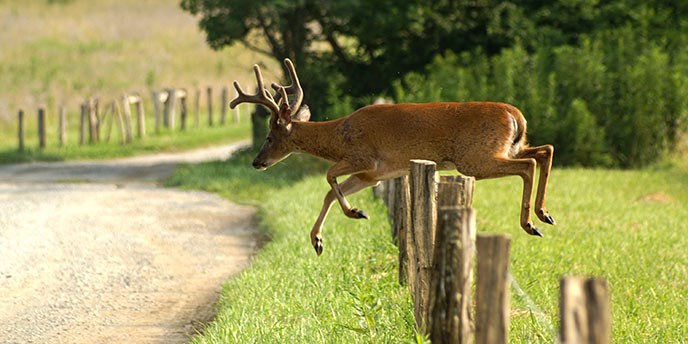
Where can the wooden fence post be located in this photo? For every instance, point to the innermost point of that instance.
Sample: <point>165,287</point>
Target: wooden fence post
<point>584,310</point>
<point>169,108</point>
<point>492,290</point>
<point>402,224</point>
<point>140,116</point>
<point>225,105</point>
<point>183,108</point>
<point>41,128</point>
<point>458,192</point>
<point>62,126</point>
<point>82,123</point>
<point>21,130</point>
<point>122,131</point>
<point>93,120</point>
<point>157,95</point>
<point>210,106</point>
<point>126,108</point>
<point>449,319</point>
<point>390,200</point>
<point>423,182</point>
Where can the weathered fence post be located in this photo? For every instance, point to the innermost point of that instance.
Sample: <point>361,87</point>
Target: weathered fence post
<point>423,185</point>
<point>140,116</point>
<point>21,130</point>
<point>122,132</point>
<point>210,106</point>
<point>82,123</point>
<point>225,105</point>
<point>41,128</point>
<point>492,290</point>
<point>157,99</point>
<point>169,108</point>
<point>107,121</point>
<point>584,310</point>
<point>449,319</point>
<point>183,108</point>
<point>402,224</point>
<point>390,200</point>
<point>62,126</point>
<point>126,108</point>
<point>93,120</point>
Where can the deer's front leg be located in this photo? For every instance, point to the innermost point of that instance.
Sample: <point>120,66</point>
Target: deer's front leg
<point>353,184</point>
<point>339,169</point>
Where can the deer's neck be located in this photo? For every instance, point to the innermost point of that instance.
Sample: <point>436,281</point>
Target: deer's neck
<point>317,138</point>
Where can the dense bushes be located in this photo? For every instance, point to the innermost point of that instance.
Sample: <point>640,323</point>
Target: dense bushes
<point>617,99</point>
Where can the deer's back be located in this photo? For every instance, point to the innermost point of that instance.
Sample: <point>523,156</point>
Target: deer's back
<point>435,131</point>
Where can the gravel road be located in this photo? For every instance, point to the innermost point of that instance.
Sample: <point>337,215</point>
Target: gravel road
<point>96,252</point>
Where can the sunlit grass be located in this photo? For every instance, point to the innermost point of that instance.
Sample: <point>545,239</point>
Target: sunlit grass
<point>625,226</point>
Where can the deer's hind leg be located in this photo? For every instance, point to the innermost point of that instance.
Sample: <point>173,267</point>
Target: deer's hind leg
<point>351,185</point>
<point>503,166</point>
<point>543,155</point>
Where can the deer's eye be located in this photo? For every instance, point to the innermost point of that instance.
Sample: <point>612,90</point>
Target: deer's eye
<point>268,139</point>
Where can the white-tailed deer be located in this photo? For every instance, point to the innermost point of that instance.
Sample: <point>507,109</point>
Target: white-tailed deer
<point>376,142</point>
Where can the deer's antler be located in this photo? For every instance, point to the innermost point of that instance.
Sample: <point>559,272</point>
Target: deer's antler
<point>262,96</point>
<point>294,89</point>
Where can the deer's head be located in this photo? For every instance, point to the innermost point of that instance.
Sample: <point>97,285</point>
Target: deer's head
<point>277,145</point>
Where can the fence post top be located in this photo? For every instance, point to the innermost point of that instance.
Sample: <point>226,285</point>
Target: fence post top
<point>423,162</point>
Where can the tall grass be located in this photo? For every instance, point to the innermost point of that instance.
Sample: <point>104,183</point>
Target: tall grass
<point>626,226</point>
<point>61,52</point>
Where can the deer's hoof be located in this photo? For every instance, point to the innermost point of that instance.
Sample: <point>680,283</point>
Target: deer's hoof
<point>546,218</point>
<point>318,245</point>
<point>549,220</point>
<point>358,214</point>
<point>532,230</point>
<point>536,232</point>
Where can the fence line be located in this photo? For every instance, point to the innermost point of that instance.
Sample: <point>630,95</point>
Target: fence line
<point>97,115</point>
<point>438,249</point>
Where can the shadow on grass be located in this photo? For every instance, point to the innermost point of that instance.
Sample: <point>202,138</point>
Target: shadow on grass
<point>238,181</point>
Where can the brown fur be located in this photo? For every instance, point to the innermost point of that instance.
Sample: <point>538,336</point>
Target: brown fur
<point>480,139</point>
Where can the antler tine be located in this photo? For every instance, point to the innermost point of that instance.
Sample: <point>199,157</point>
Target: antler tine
<point>262,97</point>
<point>294,88</point>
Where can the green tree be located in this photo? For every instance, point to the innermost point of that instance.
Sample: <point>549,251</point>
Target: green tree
<point>359,47</point>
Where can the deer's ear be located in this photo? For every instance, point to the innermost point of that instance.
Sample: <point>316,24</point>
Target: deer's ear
<point>304,114</point>
<point>284,118</point>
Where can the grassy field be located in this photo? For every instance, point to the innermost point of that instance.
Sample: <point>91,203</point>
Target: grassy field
<point>626,226</point>
<point>61,52</point>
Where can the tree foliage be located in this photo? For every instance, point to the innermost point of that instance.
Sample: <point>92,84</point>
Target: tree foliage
<point>611,71</point>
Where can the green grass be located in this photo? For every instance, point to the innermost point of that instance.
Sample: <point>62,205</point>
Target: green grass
<point>167,140</point>
<point>608,226</point>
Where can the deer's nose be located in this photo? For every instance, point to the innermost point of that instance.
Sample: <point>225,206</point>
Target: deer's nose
<point>259,165</point>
